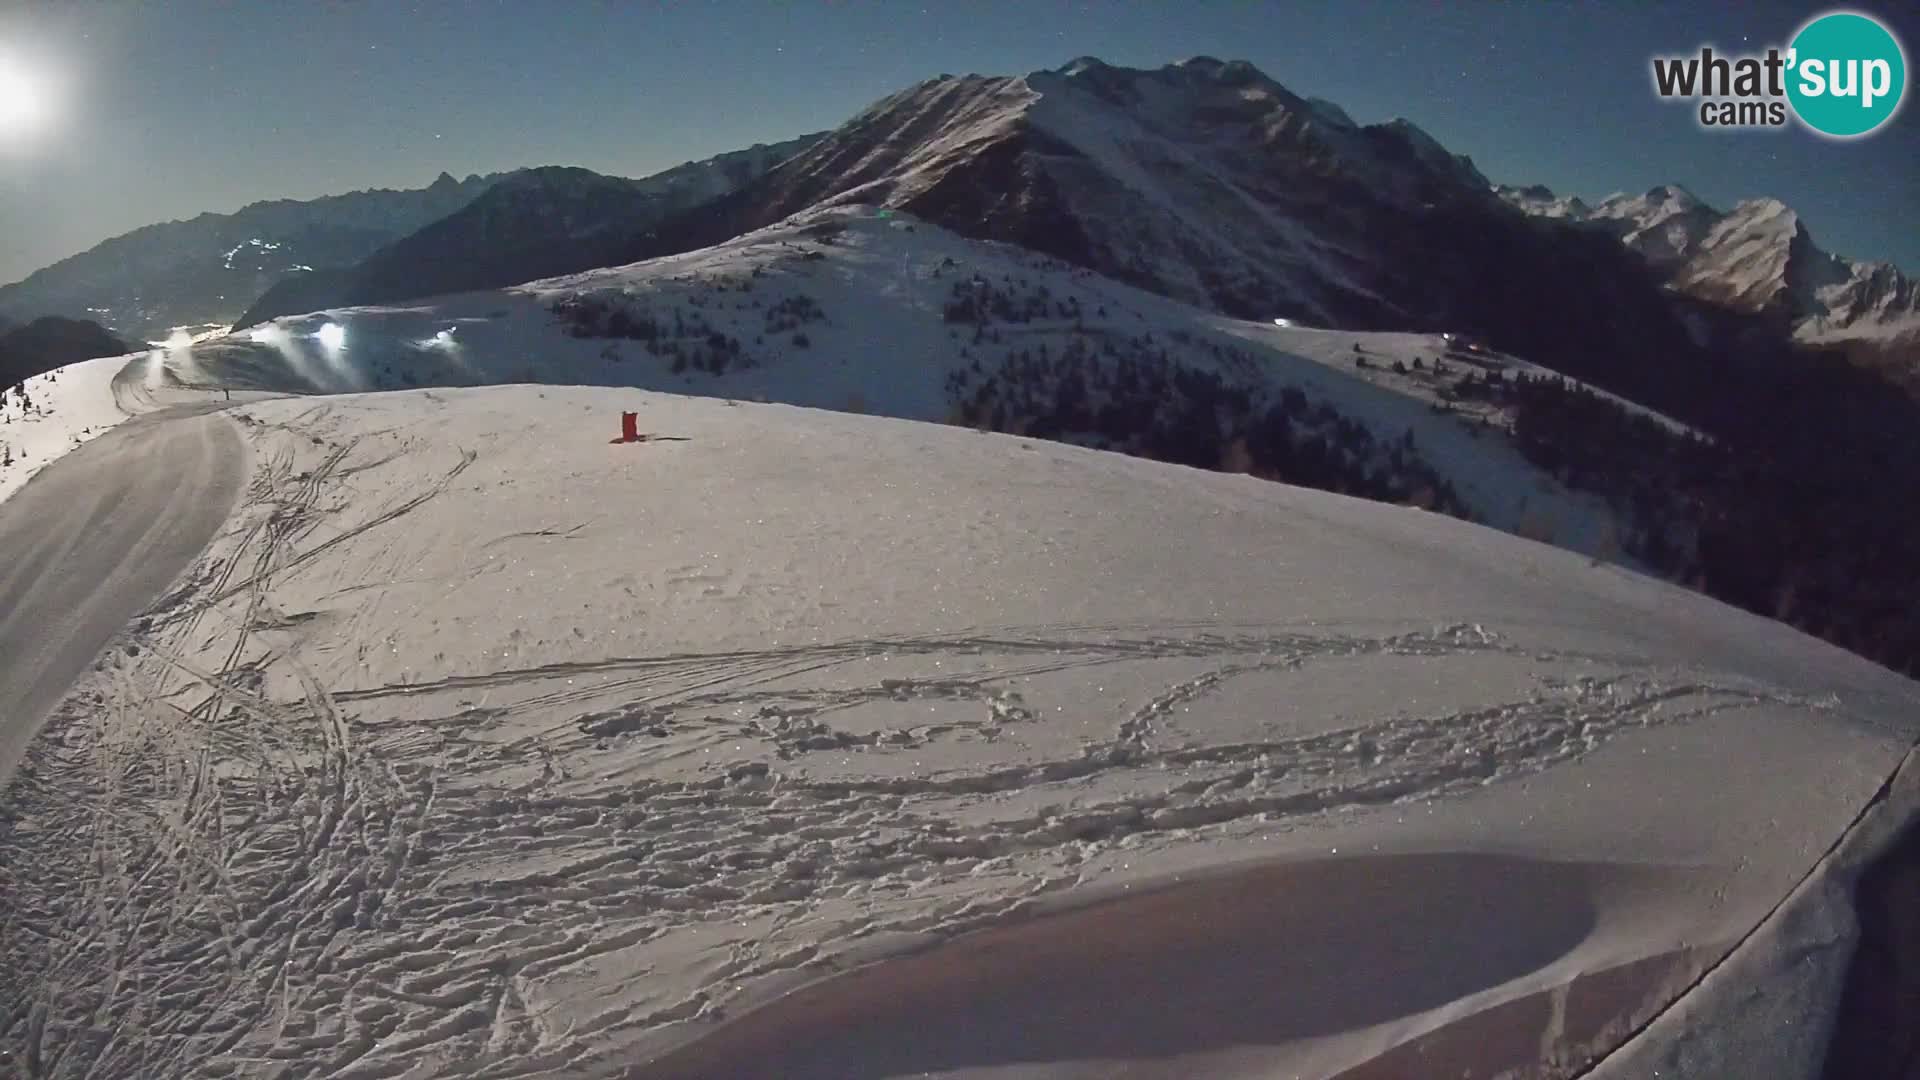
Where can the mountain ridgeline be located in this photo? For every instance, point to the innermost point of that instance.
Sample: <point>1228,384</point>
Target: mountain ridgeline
<point>1758,259</point>
<point>206,270</point>
<point>1210,183</point>
<point>50,342</point>
<point>536,223</point>
<point>1204,181</point>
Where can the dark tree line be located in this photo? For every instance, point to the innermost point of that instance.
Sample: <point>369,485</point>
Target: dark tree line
<point>1801,507</point>
<point>684,341</point>
<point>1210,411</point>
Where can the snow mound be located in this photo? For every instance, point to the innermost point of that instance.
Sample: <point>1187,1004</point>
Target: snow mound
<point>480,744</point>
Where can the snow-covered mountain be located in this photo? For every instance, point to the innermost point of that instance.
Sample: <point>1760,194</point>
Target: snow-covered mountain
<point>208,269</point>
<point>534,224</point>
<point>1540,201</point>
<point>1205,181</point>
<point>1757,258</point>
<point>1666,225</point>
<point>855,308</point>
<point>1210,183</point>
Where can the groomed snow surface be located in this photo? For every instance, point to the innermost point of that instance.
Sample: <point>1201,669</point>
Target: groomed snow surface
<point>795,743</point>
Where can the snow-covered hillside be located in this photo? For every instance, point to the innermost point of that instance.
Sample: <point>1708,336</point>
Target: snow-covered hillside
<point>480,745</point>
<point>60,410</point>
<point>872,311</point>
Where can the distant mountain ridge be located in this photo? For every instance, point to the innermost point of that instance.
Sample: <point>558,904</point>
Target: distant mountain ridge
<point>536,223</point>
<point>51,342</point>
<point>208,269</point>
<point>1203,180</point>
<point>1758,258</point>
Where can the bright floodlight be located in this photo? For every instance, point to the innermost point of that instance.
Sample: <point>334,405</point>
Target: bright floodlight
<point>332,335</point>
<point>24,108</point>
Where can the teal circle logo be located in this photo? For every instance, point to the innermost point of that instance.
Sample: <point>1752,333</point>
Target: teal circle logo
<point>1846,74</point>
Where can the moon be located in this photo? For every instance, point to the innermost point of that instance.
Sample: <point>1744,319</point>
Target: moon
<point>25,107</point>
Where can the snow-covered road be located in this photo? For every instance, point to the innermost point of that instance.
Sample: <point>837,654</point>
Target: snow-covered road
<point>94,539</point>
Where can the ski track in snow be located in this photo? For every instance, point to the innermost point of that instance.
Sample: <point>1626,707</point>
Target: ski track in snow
<point>221,867</point>
<point>237,883</point>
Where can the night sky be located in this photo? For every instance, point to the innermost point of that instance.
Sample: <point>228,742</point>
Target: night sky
<point>164,110</point>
